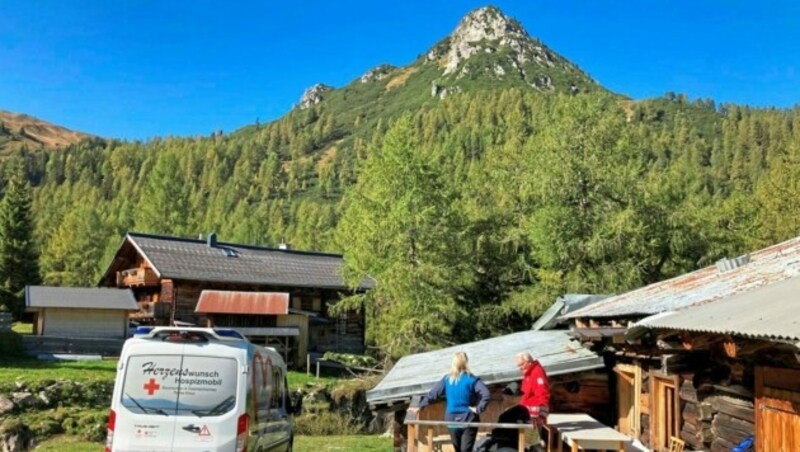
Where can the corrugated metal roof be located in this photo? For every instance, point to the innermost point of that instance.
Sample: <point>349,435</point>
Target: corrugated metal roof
<point>769,312</point>
<point>563,305</point>
<point>231,302</point>
<point>491,359</point>
<point>769,265</point>
<point>79,298</point>
<point>195,260</point>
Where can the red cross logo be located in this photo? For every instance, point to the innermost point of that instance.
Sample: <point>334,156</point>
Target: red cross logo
<point>151,386</point>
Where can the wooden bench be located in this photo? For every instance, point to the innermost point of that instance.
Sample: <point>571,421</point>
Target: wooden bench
<point>582,432</point>
<point>416,427</point>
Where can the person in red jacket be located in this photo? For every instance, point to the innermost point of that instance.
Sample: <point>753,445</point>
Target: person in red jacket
<point>535,389</point>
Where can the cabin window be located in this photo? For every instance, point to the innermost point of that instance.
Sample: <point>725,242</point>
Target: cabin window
<point>665,413</point>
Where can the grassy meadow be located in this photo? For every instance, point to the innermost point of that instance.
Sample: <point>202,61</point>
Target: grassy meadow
<point>366,443</point>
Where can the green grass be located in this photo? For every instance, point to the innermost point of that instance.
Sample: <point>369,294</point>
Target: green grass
<point>297,380</point>
<point>342,443</point>
<point>66,443</point>
<point>32,371</point>
<point>22,328</point>
<point>301,444</point>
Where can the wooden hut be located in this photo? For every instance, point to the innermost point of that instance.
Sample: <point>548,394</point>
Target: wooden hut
<point>73,312</point>
<point>698,386</point>
<point>578,382</point>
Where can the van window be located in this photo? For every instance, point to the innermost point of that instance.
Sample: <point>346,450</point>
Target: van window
<point>175,384</point>
<point>278,388</point>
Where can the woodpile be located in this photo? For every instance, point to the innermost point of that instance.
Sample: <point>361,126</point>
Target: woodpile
<point>712,420</point>
<point>697,414</point>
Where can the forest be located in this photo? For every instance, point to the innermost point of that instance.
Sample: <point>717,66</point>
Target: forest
<point>472,213</point>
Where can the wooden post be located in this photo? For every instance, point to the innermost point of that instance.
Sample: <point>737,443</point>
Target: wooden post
<point>317,368</point>
<point>521,444</point>
<point>308,364</point>
<point>412,438</point>
<point>430,439</point>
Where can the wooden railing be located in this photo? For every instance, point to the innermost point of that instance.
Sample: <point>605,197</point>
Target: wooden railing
<point>416,426</point>
<point>137,277</point>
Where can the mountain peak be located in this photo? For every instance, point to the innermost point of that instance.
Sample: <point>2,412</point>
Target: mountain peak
<point>483,25</point>
<point>489,45</point>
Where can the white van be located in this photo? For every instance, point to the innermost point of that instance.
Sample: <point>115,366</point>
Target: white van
<point>199,389</point>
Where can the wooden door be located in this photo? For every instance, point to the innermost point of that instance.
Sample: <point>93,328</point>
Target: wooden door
<point>629,384</point>
<point>665,412</point>
<point>777,410</point>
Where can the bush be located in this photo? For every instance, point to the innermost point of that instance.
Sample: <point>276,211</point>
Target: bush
<point>326,423</point>
<point>11,346</point>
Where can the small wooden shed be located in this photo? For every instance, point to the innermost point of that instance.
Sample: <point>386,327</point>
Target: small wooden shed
<point>578,381</point>
<point>80,312</point>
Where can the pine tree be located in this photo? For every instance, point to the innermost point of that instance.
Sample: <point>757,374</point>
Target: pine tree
<point>19,264</point>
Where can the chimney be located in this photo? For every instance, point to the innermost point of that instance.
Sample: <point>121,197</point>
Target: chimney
<point>724,265</point>
<point>212,239</point>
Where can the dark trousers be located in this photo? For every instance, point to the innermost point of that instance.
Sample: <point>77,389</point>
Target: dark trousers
<point>514,415</point>
<point>463,438</point>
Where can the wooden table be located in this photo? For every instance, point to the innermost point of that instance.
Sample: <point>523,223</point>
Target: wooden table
<point>581,431</point>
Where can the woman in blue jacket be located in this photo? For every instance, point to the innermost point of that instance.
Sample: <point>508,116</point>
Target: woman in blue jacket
<point>466,397</point>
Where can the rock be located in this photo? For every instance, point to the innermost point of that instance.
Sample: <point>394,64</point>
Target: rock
<point>313,95</point>
<point>23,399</point>
<point>485,25</point>
<point>15,436</point>
<point>44,398</point>
<point>6,406</point>
<point>377,73</point>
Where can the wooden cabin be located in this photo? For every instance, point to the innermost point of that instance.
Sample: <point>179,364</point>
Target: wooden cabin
<point>578,381</point>
<point>168,276</point>
<point>709,357</point>
<point>78,312</point>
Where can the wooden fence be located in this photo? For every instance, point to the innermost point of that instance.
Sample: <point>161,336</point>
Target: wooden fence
<point>36,345</point>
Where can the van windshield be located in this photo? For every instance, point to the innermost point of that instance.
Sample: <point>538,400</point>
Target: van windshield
<point>174,384</point>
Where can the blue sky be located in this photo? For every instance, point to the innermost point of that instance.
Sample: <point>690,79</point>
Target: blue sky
<point>138,69</point>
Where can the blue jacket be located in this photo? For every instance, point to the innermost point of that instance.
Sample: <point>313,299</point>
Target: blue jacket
<point>468,391</point>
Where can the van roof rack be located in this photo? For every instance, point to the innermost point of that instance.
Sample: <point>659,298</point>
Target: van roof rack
<point>220,334</point>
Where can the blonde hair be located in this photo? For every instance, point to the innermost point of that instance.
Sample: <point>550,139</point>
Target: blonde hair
<point>458,366</point>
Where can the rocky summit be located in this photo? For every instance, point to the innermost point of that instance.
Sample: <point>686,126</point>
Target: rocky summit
<point>488,44</point>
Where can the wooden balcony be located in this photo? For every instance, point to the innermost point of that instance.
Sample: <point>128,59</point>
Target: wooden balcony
<point>137,277</point>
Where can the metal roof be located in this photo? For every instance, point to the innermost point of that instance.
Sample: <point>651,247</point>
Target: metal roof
<point>231,302</point>
<point>552,317</point>
<point>769,312</point>
<point>196,260</point>
<point>769,265</point>
<point>491,359</point>
<point>37,297</point>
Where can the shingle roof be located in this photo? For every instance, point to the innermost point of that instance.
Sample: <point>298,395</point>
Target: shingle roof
<point>491,359</point>
<point>79,298</point>
<point>188,259</point>
<point>766,266</point>
<point>769,312</point>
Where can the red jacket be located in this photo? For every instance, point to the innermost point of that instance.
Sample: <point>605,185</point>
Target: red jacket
<point>535,387</point>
